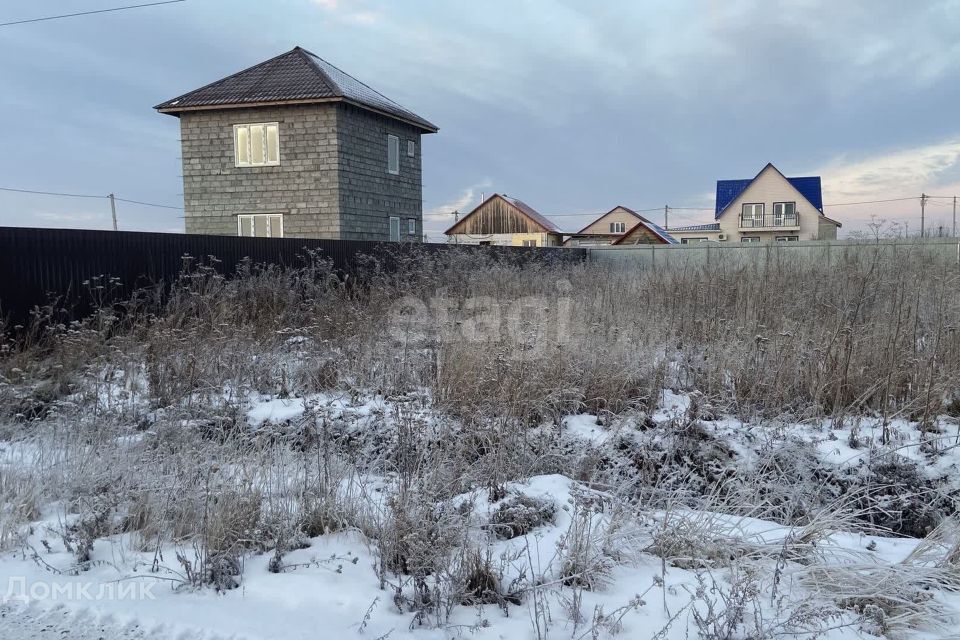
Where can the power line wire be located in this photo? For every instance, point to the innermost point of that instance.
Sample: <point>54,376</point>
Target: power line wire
<point>50,193</point>
<point>845,204</point>
<point>85,195</point>
<point>87,13</point>
<point>148,204</point>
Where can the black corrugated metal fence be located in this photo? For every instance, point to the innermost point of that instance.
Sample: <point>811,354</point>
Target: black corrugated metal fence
<point>41,265</point>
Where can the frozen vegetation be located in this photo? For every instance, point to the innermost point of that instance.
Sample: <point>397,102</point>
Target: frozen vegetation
<point>465,448</point>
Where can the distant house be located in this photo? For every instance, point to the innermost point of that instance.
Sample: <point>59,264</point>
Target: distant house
<point>613,225</point>
<point>502,220</point>
<point>296,147</point>
<point>768,208</point>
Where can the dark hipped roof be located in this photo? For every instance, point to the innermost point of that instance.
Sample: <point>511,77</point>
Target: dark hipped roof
<point>728,190</point>
<point>294,76</point>
<point>521,206</point>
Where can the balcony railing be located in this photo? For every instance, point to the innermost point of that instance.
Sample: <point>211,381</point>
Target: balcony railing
<point>770,221</point>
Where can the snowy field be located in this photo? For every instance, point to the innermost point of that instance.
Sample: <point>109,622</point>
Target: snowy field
<point>583,563</point>
<point>273,458</point>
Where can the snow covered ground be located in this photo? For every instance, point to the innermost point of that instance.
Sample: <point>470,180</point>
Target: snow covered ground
<point>576,561</point>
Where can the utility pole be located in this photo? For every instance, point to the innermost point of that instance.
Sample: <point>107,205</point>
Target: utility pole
<point>113,211</point>
<point>666,217</point>
<point>923,212</point>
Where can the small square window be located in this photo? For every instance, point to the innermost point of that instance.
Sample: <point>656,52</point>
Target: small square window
<point>411,148</point>
<point>393,154</point>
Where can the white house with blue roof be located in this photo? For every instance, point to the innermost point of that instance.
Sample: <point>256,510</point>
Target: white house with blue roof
<point>768,208</point>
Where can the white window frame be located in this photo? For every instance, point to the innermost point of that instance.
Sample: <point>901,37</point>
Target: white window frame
<point>618,227</point>
<point>788,238</point>
<point>393,154</point>
<point>411,149</point>
<point>252,217</point>
<point>394,220</point>
<point>750,239</point>
<point>693,240</point>
<point>754,207</point>
<point>266,150</point>
<point>780,213</point>
<point>529,243</point>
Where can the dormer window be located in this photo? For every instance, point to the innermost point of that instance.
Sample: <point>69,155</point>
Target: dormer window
<point>256,145</point>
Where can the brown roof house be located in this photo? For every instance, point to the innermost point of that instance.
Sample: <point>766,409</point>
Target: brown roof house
<point>296,147</point>
<point>502,220</point>
<point>614,226</point>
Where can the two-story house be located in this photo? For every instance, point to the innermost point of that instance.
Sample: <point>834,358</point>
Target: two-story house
<point>768,208</point>
<point>296,147</point>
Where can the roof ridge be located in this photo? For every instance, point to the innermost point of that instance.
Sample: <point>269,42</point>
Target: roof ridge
<point>173,101</point>
<point>309,56</point>
<point>351,76</point>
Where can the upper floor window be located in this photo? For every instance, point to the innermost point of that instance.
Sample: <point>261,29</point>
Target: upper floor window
<point>393,154</point>
<point>784,213</point>
<point>618,227</point>
<point>752,213</point>
<point>411,148</point>
<point>256,145</point>
<point>260,225</point>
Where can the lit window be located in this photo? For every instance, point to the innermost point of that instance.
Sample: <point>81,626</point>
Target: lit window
<point>256,145</point>
<point>411,148</point>
<point>263,225</point>
<point>393,154</point>
<point>394,229</point>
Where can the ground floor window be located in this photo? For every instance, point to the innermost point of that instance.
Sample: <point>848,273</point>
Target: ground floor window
<point>260,225</point>
<point>394,229</point>
<point>788,238</point>
<point>411,226</point>
<point>692,240</point>
<point>750,239</point>
<point>529,243</point>
<point>485,243</point>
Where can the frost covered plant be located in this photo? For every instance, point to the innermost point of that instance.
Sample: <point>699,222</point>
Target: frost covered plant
<point>583,560</point>
<point>520,514</point>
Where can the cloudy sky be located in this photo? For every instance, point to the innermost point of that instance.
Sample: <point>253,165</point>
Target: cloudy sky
<point>572,106</point>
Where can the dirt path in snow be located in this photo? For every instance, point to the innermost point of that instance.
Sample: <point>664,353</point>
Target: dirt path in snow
<point>29,622</point>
